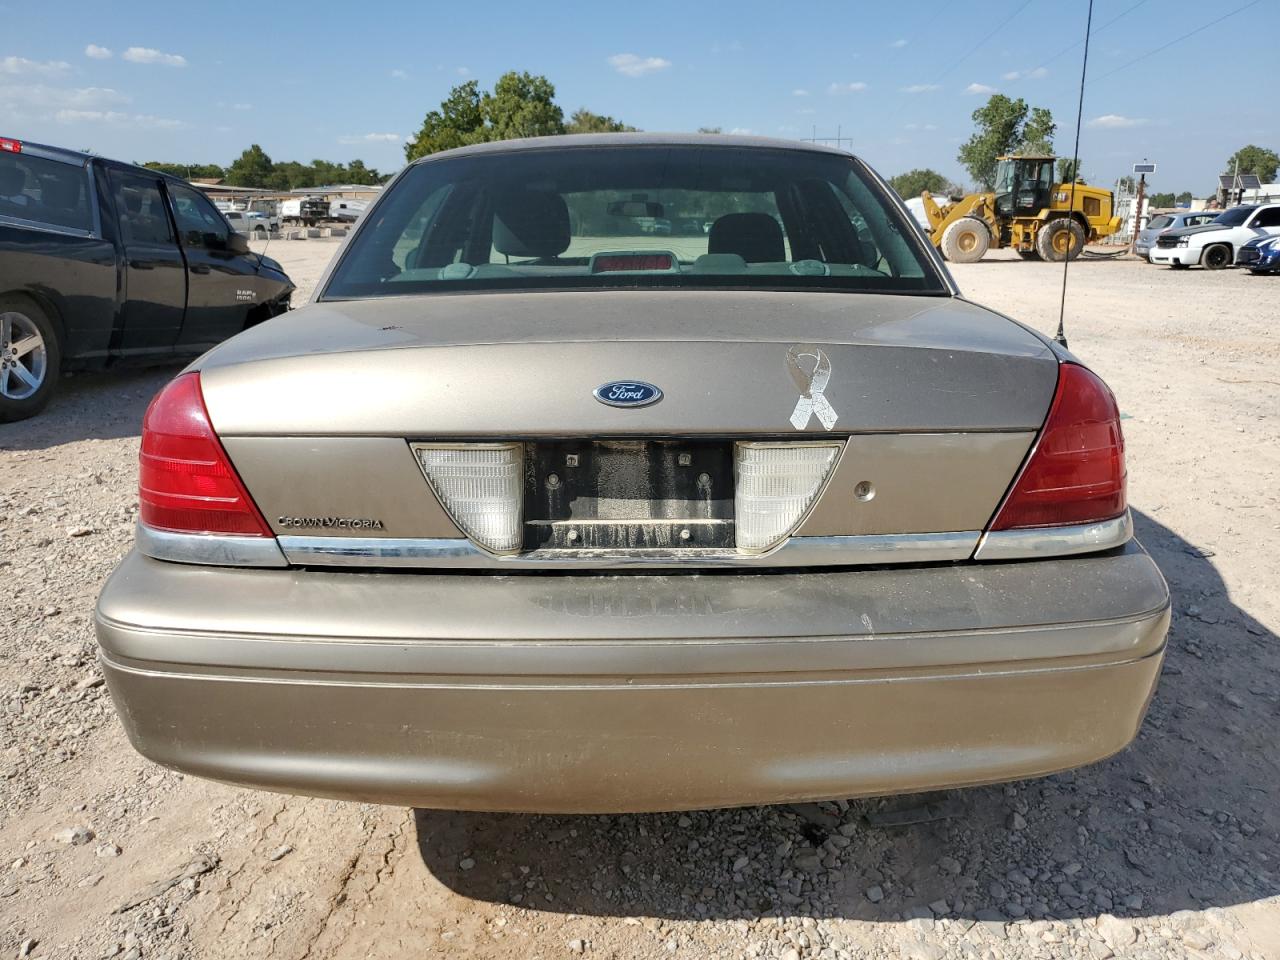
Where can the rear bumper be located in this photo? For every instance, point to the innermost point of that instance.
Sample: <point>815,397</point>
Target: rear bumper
<point>626,693</point>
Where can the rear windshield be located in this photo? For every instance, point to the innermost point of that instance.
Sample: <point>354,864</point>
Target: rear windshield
<point>1159,223</point>
<point>651,216</point>
<point>44,191</point>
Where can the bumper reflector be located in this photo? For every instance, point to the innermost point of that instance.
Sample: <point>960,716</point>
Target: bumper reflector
<point>776,484</point>
<point>481,486</point>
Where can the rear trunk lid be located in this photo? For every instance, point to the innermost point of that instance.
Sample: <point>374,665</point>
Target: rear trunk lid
<point>514,365</point>
<point>932,403</point>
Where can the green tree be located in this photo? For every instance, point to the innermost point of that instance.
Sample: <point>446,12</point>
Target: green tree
<point>357,172</point>
<point>188,171</point>
<point>1162,199</point>
<point>253,168</point>
<point>1037,132</point>
<point>458,122</point>
<point>1184,197</point>
<point>914,182</point>
<point>522,105</point>
<point>1253,159</point>
<point>1004,126</point>
<point>1069,170</point>
<point>584,121</point>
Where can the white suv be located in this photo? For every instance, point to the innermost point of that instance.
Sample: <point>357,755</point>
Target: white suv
<point>1214,245</point>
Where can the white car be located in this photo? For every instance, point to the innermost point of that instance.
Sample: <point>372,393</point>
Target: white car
<point>1214,245</point>
<point>251,222</point>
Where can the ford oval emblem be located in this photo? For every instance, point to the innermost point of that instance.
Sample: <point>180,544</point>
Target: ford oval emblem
<point>627,393</point>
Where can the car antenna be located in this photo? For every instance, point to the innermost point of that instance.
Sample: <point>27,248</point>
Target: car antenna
<point>1061,335</point>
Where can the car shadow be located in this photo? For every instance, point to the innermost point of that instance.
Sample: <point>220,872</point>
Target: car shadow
<point>103,405</point>
<point>1184,818</point>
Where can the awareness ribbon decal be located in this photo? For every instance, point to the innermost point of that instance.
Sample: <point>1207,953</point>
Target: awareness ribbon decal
<point>811,384</point>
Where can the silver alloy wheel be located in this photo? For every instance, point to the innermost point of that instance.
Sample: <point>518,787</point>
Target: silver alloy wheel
<point>24,358</point>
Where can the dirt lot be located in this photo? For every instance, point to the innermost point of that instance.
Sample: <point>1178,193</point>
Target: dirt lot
<point>1170,849</point>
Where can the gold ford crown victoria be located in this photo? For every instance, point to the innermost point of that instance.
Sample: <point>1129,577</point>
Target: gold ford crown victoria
<point>629,473</point>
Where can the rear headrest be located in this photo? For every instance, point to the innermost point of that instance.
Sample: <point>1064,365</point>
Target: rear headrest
<point>12,180</point>
<point>530,223</point>
<point>755,237</point>
<point>62,193</point>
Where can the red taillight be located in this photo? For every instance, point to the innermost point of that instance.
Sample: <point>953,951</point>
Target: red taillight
<point>9,145</point>
<point>1076,472</point>
<point>186,483</point>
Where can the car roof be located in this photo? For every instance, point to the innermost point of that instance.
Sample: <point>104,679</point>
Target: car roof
<point>48,152</point>
<point>578,140</point>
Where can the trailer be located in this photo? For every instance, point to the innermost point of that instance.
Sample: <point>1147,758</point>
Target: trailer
<point>305,210</point>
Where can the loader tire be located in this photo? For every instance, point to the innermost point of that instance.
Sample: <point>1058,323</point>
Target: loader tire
<point>966,240</point>
<point>1060,239</point>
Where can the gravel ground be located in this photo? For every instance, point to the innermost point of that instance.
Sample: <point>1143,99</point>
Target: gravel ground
<point>1171,849</point>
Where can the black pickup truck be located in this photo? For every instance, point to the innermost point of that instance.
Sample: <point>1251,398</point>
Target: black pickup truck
<point>104,263</point>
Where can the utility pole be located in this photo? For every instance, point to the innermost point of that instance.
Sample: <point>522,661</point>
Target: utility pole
<point>1141,169</point>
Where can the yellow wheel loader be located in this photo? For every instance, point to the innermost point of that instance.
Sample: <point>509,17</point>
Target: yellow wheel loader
<point>1027,211</point>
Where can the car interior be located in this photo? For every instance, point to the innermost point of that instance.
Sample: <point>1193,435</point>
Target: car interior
<point>682,222</point>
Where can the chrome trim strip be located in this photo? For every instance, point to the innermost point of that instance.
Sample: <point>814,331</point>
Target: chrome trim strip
<point>795,552</point>
<point>41,227</point>
<point>1041,542</point>
<point>219,550</point>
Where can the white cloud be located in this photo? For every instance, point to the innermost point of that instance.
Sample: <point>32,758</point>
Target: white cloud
<point>242,106</point>
<point>371,138</point>
<point>117,118</point>
<point>920,126</point>
<point>799,92</point>
<point>921,88</point>
<point>630,65</point>
<point>979,88</point>
<point>21,65</point>
<point>463,71</point>
<point>1113,121</point>
<point>149,55</point>
<point>806,111</point>
<point>1039,73</point>
<point>400,74</point>
<point>898,44</point>
<point>856,87</point>
<point>42,97</point>
<point>95,52</point>
<point>742,132</point>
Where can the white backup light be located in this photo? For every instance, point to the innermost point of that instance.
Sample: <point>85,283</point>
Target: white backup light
<point>481,485</point>
<point>776,484</point>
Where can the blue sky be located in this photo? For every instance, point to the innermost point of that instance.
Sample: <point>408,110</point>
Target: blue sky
<point>162,82</point>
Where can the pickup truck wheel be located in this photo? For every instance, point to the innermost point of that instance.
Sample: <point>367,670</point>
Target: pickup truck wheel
<point>1216,257</point>
<point>29,359</point>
